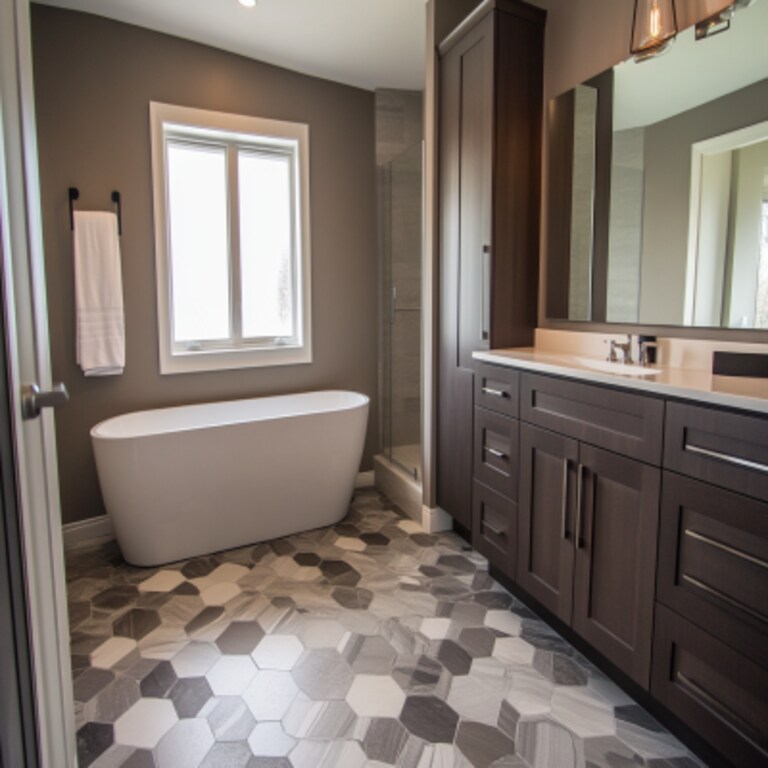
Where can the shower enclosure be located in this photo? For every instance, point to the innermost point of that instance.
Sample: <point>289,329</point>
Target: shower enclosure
<point>400,196</point>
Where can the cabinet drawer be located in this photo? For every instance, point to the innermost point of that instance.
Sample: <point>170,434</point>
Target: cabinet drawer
<point>497,389</point>
<point>624,423</point>
<point>712,688</point>
<point>496,451</point>
<point>723,448</point>
<point>713,562</point>
<point>494,527</point>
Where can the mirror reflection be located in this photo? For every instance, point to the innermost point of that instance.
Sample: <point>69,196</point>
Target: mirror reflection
<point>658,187</point>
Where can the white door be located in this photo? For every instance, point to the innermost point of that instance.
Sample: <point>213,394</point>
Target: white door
<point>26,343</point>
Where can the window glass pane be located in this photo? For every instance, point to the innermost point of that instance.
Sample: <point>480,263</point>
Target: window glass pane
<point>265,244</point>
<point>197,207</point>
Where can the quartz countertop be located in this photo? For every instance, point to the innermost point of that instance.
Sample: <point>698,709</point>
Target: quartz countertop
<point>690,384</point>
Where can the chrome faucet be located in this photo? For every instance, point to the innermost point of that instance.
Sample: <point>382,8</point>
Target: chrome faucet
<point>626,351</point>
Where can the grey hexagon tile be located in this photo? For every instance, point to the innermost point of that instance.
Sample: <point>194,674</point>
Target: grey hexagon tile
<point>478,697</point>
<point>145,723</point>
<point>268,739</point>
<point>190,695</point>
<point>544,744</point>
<point>582,712</point>
<point>323,674</point>
<point>269,762</point>
<point>159,681</point>
<point>116,699</point>
<point>483,745</point>
<point>236,754</point>
<point>375,696</point>
<point>270,694</point>
<point>418,674</point>
<point>93,739</point>
<point>319,719</point>
<point>90,682</point>
<point>195,659</point>
<point>371,655</point>
<point>240,637</point>
<point>231,675</point>
<point>185,745</point>
<point>137,623</point>
<point>278,652</point>
<point>384,740</point>
<point>229,718</point>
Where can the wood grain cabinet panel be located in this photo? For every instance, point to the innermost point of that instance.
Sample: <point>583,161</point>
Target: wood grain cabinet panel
<point>615,568</point>
<point>720,447</point>
<point>618,421</point>
<point>494,532</point>
<point>718,692</point>
<point>497,452</point>
<point>546,551</point>
<point>713,562</point>
<point>489,157</point>
<point>497,389</point>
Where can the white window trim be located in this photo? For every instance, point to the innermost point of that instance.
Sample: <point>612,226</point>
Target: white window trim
<point>212,359</point>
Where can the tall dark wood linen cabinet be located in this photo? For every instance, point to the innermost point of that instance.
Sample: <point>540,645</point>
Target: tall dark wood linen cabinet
<point>489,133</point>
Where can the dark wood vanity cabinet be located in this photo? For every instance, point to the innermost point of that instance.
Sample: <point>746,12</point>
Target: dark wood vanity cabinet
<point>711,636</point>
<point>588,516</point>
<point>489,164</point>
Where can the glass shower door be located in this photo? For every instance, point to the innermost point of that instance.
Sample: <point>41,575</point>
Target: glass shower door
<point>402,248</point>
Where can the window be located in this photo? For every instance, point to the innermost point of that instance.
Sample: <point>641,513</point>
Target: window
<point>231,240</point>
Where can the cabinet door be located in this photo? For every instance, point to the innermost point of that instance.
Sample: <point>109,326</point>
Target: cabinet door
<point>494,527</point>
<point>616,525</point>
<point>546,525</point>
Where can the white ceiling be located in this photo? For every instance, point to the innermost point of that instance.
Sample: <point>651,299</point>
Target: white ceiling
<point>366,43</point>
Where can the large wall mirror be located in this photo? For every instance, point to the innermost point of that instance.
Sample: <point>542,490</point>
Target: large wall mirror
<point>658,187</point>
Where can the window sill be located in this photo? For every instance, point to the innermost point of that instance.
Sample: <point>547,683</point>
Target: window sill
<point>233,359</point>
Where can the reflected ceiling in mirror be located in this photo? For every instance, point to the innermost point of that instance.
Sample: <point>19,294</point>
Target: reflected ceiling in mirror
<point>658,187</point>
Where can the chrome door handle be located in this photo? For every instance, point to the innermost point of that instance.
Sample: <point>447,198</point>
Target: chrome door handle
<point>564,508</point>
<point>579,493</point>
<point>494,392</point>
<point>497,453</point>
<point>33,400</point>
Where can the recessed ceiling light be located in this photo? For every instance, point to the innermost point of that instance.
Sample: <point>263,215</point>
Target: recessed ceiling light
<point>248,3</point>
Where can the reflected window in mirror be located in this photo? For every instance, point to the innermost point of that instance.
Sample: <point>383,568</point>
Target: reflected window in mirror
<point>674,148</point>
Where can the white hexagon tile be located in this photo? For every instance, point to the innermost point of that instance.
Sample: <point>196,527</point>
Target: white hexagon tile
<point>370,643</point>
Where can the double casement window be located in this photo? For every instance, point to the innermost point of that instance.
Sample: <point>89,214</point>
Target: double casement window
<point>231,240</point>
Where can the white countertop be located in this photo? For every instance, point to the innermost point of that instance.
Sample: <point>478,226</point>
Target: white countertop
<point>730,391</point>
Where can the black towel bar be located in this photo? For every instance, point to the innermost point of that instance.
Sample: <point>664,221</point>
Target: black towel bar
<point>74,194</point>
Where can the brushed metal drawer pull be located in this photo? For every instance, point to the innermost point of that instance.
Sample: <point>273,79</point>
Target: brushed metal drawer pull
<point>564,511</point>
<point>497,453</point>
<point>495,392</point>
<point>745,463</point>
<point>494,531</point>
<point>720,596</point>
<point>579,489</point>
<point>725,548</point>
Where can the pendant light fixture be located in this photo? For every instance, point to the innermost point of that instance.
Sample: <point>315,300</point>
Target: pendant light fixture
<point>654,27</point>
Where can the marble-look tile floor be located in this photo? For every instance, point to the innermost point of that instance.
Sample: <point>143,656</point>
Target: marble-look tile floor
<point>370,643</point>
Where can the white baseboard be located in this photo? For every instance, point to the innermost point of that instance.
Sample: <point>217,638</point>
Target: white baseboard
<point>86,533</point>
<point>365,479</point>
<point>436,520</point>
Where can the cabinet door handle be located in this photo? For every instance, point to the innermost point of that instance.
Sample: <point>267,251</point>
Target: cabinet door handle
<point>485,298</point>
<point>566,470</point>
<point>497,453</point>
<point>739,462</point>
<point>579,490</point>
<point>494,531</point>
<point>495,392</point>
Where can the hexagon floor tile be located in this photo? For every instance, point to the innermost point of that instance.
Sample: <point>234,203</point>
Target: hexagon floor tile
<point>370,643</point>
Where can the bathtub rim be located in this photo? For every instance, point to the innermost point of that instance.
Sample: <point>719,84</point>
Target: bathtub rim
<point>355,401</point>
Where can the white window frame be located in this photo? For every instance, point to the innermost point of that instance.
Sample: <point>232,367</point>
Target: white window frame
<point>172,123</point>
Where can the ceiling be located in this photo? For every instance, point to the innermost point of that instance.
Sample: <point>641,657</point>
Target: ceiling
<point>365,43</point>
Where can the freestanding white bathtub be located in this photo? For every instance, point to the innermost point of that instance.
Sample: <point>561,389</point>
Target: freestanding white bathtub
<point>185,481</point>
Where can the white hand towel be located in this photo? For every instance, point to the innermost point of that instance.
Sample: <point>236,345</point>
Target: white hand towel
<point>98,294</point>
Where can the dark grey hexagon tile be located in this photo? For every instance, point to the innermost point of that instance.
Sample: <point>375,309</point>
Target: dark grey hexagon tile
<point>418,674</point>
<point>430,719</point>
<point>200,567</point>
<point>307,559</point>
<point>541,636</point>
<point>159,681</point>
<point>115,597</point>
<point>483,745</point>
<point>478,642</point>
<point>453,657</point>
<point>339,573</point>
<point>282,547</point>
<point>559,669</point>
<point>240,637</point>
<point>189,695</point>
<point>236,754</point>
<point>375,539</point>
<point>186,589</point>
<point>353,598</point>
<point>509,717</point>
<point>269,762</point>
<point>384,740</point>
<point>493,599</point>
<point>456,564</point>
<point>79,611</point>
<point>632,713</point>
<point>141,758</point>
<point>137,623</point>
<point>153,601</point>
<point>93,739</point>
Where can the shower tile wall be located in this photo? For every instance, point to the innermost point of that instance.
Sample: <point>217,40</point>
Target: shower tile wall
<point>398,156</point>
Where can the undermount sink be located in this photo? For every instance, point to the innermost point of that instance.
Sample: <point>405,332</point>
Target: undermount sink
<point>619,368</point>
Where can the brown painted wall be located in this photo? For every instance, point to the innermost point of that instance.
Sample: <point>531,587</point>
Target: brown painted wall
<point>94,80</point>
